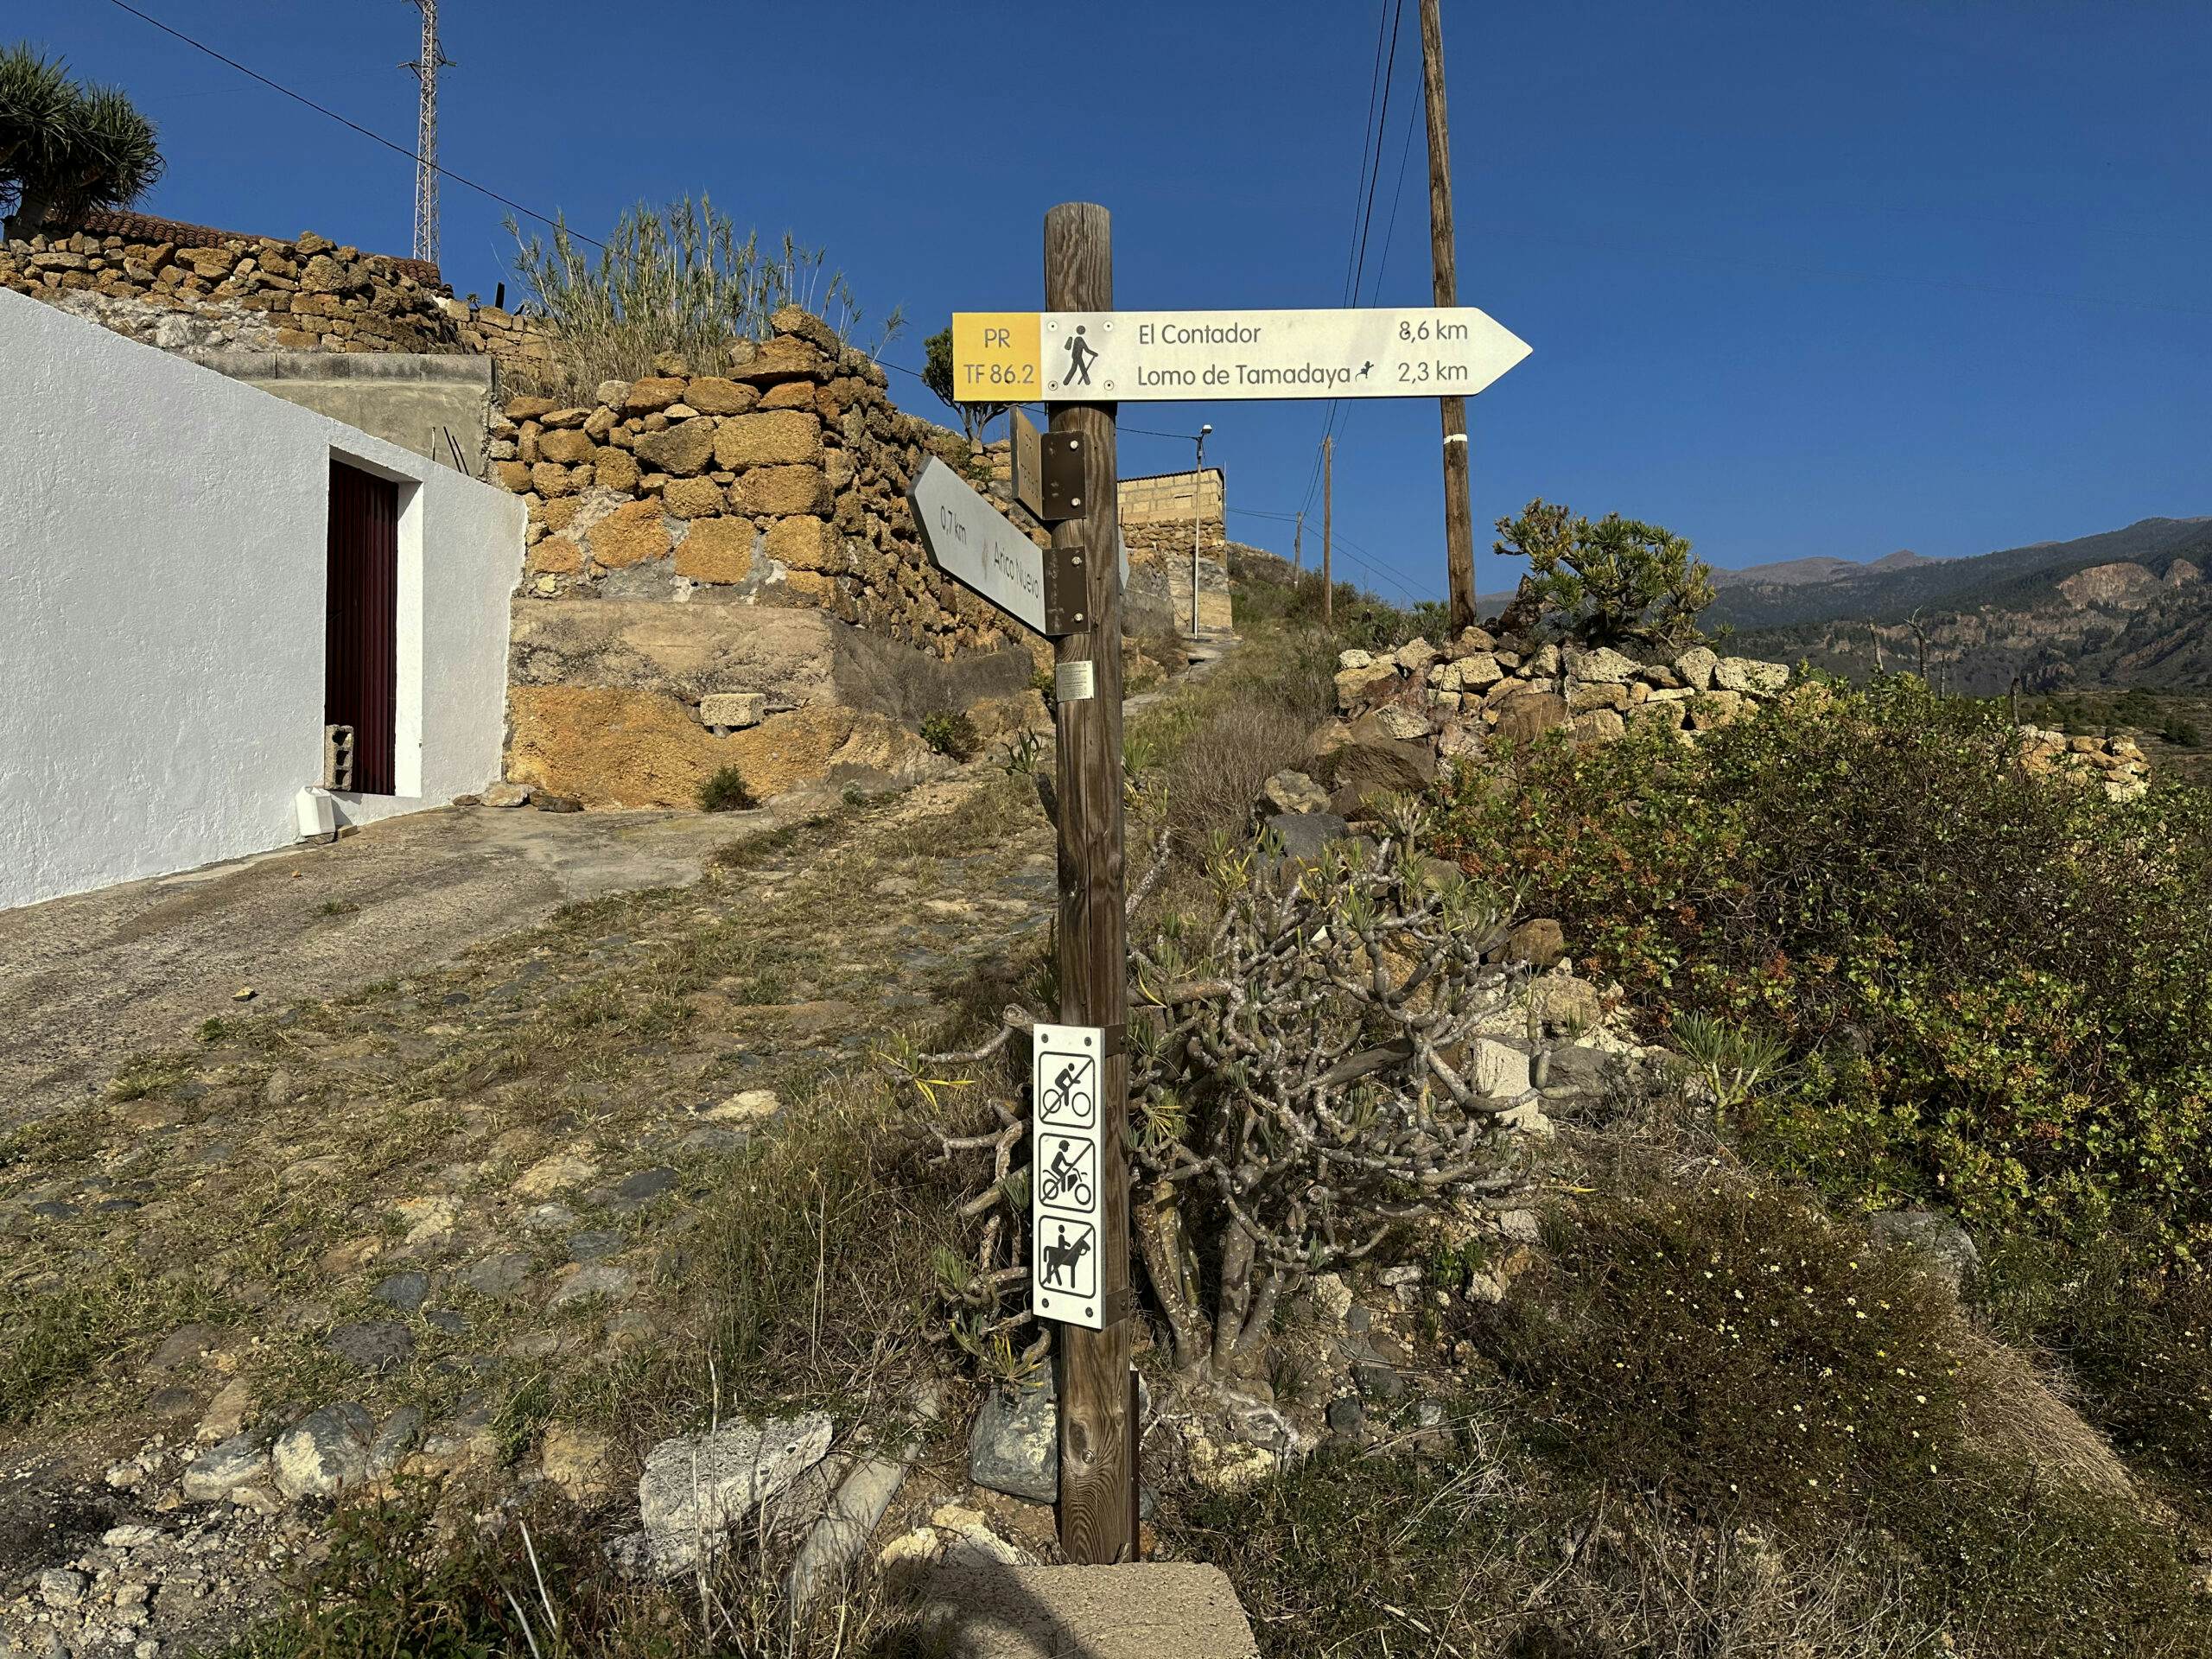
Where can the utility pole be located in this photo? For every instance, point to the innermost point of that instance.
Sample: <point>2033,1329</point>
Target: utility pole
<point>1459,508</point>
<point>1198,504</point>
<point>426,69</point>
<point>1097,1384</point>
<point>1328,531</point>
<point>1298,544</point>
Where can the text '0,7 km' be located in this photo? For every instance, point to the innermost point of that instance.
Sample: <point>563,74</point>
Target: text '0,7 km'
<point>1163,356</point>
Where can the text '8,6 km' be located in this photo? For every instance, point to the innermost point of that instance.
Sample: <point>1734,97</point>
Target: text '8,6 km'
<point>1164,356</point>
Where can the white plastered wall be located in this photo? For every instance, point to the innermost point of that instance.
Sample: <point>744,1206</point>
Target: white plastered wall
<point>162,570</point>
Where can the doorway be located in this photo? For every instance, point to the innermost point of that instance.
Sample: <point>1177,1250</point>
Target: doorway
<point>361,623</point>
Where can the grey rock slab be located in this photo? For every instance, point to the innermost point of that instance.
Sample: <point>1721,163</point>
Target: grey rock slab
<point>1307,835</point>
<point>590,1246</point>
<point>1014,1447</point>
<point>498,1276</point>
<point>325,1453</point>
<point>594,1279</point>
<point>635,1191</point>
<point>394,1441</point>
<point>695,1487</point>
<point>1942,1244</point>
<point>403,1291</point>
<point>982,1609</point>
<point>372,1345</point>
<point>223,1468</point>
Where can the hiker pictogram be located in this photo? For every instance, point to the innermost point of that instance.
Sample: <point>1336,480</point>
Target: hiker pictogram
<point>1063,1262</point>
<point>1081,355</point>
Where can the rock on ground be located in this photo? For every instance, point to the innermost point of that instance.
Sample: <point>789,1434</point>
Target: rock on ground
<point>695,1487</point>
<point>1014,1447</point>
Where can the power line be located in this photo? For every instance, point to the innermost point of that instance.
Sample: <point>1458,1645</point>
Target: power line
<point>1382,132</point>
<point>378,138</point>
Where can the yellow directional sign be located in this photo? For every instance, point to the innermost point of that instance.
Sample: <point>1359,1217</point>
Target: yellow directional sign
<point>997,358</point>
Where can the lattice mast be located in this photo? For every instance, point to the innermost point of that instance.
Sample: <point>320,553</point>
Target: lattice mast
<point>426,69</point>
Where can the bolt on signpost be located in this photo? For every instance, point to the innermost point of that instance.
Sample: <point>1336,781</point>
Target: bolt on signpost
<point>1082,358</point>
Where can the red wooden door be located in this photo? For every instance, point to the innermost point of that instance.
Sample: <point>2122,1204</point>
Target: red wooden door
<point>360,637</point>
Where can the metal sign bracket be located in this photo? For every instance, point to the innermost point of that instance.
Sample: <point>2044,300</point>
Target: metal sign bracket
<point>1067,599</point>
<point>1060,465</point>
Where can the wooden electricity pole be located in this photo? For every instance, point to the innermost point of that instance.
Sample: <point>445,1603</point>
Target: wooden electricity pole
<point>1298,545</point>
<point>1097,1388</point>
<point>1459,508</point>
<point>1328,531</point>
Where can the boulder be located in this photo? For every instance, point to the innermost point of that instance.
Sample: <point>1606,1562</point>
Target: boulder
<point>1370,762</point>
<point>681,450</point>
<point>710,394</point>
<point>222,1469</point>
<point>696,1487</point>
<point>772,438</point>
<point>1363,682</point>
<point>645,397</point>
<point>1696,665</point>
<point>1563,1003</point>
<point>1292,791</point>
<point>717,550</point>
<point>1943,1246</point>
<point>1529,714</point>
<point>1414,657</point>
<point>1306,836</point>
<point>1475,671</point>
<point>1014,1447</point>
<point>733,710</point>
<point>1402,723</point>
<point>1748,675</point>
<point>325,1453</point>
<point>1540,940</point>
<point>1603,666</point>
<point>1600,726</point>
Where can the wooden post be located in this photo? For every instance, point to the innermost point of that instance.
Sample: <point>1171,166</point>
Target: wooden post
<point>1098,1487</point>
<point>1328,531</point>
<point>1298,545</point>
<point>1459,508</point>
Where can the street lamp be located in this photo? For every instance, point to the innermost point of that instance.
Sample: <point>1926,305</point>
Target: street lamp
<point>1198,508</point>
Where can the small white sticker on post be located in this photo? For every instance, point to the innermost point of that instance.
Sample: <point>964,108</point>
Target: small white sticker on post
<point>1073,681</point>
<point>1066,1195</point>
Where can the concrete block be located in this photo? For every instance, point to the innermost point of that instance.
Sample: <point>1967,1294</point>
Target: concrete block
<point>731,710</point>
<point>1145,1609</point>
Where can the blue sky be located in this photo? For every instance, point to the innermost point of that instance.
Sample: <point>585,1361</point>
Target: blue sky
<point>1801,278</point>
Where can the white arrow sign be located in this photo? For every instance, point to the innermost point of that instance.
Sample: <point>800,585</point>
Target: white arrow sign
<point>973,544</point>
<point>1152,356</point>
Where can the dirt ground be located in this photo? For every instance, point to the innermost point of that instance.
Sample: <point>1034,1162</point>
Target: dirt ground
<point>88,980</point>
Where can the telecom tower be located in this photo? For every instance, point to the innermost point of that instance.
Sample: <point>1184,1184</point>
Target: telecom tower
<point>426,134</point>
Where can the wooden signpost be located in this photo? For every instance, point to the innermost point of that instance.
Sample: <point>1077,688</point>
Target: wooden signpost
<point>1082,357</point>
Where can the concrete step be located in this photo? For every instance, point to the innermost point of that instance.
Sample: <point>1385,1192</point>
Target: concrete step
<point>1148,1610</point>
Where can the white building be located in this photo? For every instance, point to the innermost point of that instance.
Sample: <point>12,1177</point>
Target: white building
<point>196,580</point>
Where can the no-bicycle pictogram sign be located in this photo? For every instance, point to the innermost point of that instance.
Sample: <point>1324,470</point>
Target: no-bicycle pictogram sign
<point>1065,1198</point>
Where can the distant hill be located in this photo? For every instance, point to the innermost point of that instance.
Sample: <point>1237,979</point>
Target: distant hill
<point>2128,606</point>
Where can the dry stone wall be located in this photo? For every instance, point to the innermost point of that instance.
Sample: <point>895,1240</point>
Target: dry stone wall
<point>782,483</point>
<point>678,521</point>
<point>1513,686</point>
<point>190,287</point>
<point>2115,764</point>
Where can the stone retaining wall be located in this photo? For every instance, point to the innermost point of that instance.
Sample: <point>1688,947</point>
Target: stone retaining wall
<point>676,521</point>
<point>2115,763</point>
<point>1512,686</point>
<point>191,287</point>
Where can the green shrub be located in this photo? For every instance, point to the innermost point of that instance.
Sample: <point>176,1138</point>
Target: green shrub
<point>1617,580</point>
<point>1995,987</point>
<point>726,792</point>
<point>1739,1359</point>
<point>953,734</point>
